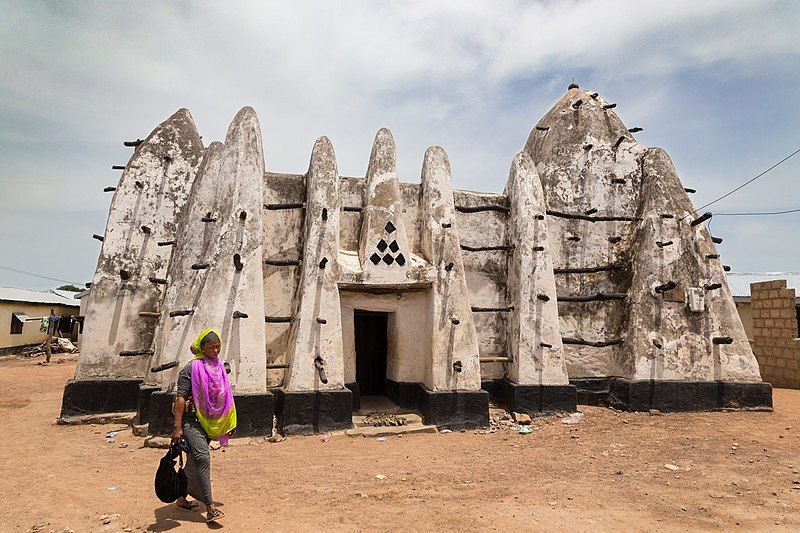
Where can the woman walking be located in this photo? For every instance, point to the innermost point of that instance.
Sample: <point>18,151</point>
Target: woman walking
<point>204,410</point>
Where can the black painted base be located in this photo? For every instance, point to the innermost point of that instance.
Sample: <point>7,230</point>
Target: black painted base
<point>536,399</point>
<point>356,390</point>
<point>93,396</point>
<point>404,393</point>
<point>454,409</point>
<point>308,412</point>
<point>143,403</point>
<point>673,396</point>
<point>495,389</point>
<point>253,414</point>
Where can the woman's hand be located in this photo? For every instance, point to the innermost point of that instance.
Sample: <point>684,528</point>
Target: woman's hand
<point>177,411</point>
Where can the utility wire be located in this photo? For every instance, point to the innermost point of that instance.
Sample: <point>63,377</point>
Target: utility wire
<point>748,182</point>
<point>758,214</point>
<point>25,272</point>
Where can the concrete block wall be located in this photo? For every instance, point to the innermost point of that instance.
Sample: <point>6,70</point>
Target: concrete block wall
<point>776,345</point>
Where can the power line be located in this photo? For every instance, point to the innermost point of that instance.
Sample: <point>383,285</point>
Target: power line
<point>748,182</point>
<point>25,272</point>
<point>758,213</point>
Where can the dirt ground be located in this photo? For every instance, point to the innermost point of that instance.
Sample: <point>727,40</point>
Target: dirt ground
<point>735,471</point>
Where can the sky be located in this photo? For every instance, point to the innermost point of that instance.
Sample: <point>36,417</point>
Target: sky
<point>712,82</point>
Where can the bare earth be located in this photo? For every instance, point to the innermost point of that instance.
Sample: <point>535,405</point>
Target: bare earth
<point>736,471</point>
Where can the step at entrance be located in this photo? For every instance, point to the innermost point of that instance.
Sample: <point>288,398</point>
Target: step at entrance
<point>388,431</point>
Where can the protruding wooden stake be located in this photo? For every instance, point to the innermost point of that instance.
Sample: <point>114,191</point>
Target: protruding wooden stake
<point>702,218</point>
<point>165,366</point>
<point>664,287</point>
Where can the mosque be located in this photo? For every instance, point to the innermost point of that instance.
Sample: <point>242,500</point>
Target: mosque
<point>591,279</point>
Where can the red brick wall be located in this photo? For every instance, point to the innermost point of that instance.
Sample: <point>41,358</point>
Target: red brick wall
<point>776,345</point>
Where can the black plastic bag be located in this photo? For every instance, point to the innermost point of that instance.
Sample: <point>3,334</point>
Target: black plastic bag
<point>170,484</point>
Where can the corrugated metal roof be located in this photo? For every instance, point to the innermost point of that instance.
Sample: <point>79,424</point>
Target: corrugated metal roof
<point>39,297</point>
<point>739,282</point>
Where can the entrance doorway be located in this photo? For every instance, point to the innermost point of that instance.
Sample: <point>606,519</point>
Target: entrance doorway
<point>371,344</point>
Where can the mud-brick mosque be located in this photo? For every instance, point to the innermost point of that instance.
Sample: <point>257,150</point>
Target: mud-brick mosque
<point>590,279</point>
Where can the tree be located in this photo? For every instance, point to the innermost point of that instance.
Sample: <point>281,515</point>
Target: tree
<point>69,287</point>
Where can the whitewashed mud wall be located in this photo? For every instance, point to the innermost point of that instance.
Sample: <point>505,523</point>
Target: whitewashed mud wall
<point>619,221</point>
<point>578,269</point>
<point>486,272</point>
<point>152,192</point>
<point>216,278</point>
<point>284,222</point>
<point>185,285</point>
<point>315,352</point>
<point>534,335</point>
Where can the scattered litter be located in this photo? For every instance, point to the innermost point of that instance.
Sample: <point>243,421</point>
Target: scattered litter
<point>446,431</point>
<point>381,439</point>
<point>324,438</point>
<point>380,477</point>
<point>112,488</point>
<point>525,430</point>
<point>670,466</point>
<point>552,503</point>
<point>111,434</point>
<point>574,418</point>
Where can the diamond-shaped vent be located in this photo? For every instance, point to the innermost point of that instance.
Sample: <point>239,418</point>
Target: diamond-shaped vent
<point>375,258</point>
<point>382,245</point>
<point>389,227</point>
<point>388,259</point>
<point>394,247</point>
<point>400,260</point>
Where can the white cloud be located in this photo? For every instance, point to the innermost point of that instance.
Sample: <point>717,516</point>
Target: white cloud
<point>472,76</point>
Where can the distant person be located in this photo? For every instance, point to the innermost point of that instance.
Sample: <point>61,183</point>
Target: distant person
<point>204,410</point>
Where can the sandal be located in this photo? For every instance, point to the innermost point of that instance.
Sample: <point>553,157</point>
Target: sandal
<point>188,506</point>
<point>214,515</point>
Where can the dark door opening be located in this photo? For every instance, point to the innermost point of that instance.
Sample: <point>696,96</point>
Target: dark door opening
<point>371,343</point>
